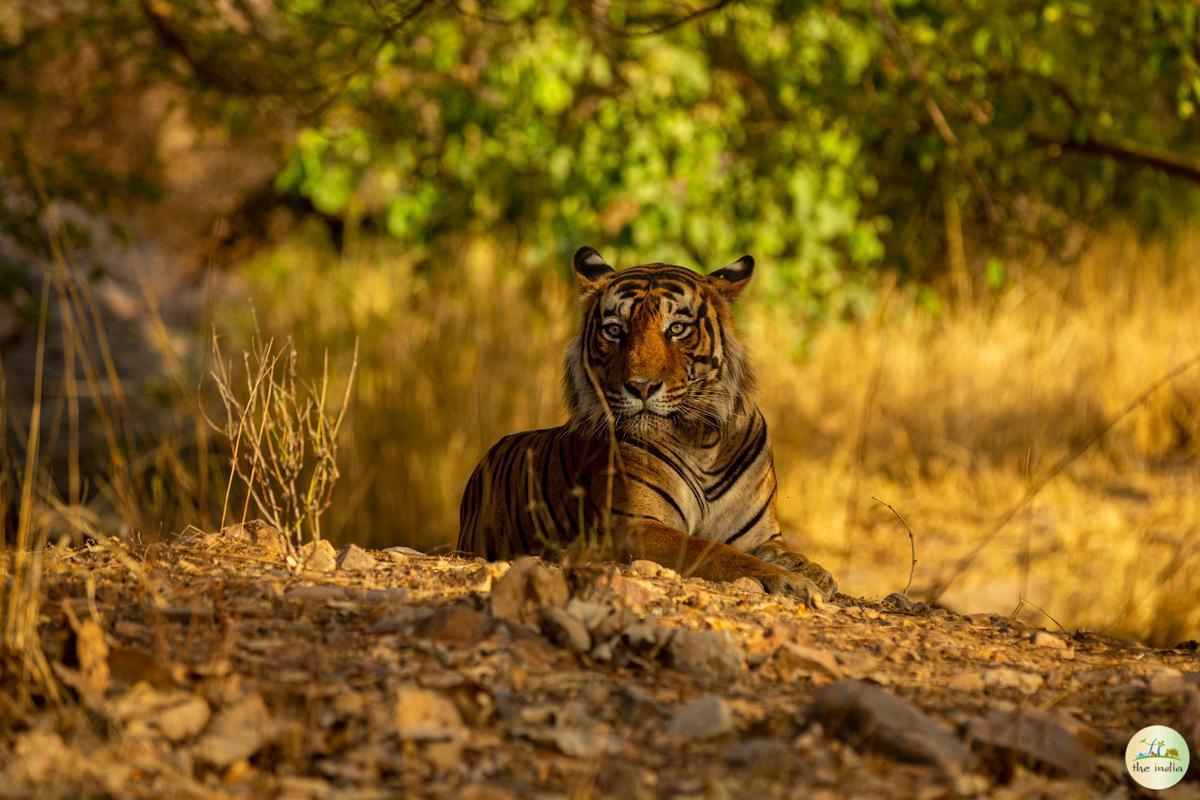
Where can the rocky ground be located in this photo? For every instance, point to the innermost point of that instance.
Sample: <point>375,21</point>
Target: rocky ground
<point>220,665</point>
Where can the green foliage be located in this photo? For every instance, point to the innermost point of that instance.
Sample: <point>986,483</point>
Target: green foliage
<point>827,139</point>
<point>821,137</point>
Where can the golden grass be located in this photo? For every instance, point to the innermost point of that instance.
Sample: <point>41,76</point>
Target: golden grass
<point>950,417</point>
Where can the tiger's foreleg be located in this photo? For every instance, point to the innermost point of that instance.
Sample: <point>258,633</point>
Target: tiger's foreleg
<point>715,561</point>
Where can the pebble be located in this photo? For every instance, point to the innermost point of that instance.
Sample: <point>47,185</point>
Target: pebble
<point>457,625</point>
<point>707,655</point>
<point>705,717</point>
<point>318,556</point>
<point>237,733</point>
<point>966,682</point>
<point>353,558</point>
<point>866,716</point>
<point>566,630</point>
<point>1048,640</point>
<point>1028,735</point>
<point>422,715</point>
<point>749,585</point>
<point>1006,678</point>
<point>526,588</point>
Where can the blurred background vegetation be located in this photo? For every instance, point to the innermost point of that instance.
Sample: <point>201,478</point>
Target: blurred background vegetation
<point>975,223</point>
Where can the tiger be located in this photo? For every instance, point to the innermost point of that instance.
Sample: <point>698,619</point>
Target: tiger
<point>665,451</point>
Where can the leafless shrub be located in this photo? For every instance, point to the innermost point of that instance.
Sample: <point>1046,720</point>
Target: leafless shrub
<point>283,436</point>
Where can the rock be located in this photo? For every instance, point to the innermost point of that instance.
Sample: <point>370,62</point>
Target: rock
<point>703,718</point>
<point>592,615</point>
<point>707,655</point>
<point>904,604</point>
<point>769,758</point>
<point>1047,640</point>
<point>794,660</point>
<point>37,758</point>
<point>1166,681</point>
<point>457,625</point>
<point>748,585</point>
<point>576,733</point>
<point>174,713</point>
<point>966,683</point>
<point>401,553</point>
<point>564,629</point>
<point>867,716</point>
<point>527,587</point>
<point>631,591</point>
<point>650,569</point>
<point>237,732</point>
<point>1025,735</point>
<point>322,592</point>
<point>318,556</point>
<point>421,715</point>
<point>1006,678</point>
<point>353,558</point>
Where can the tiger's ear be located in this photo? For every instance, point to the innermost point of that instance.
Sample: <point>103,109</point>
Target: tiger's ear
<point>730,281</point>
<point>591,270</point>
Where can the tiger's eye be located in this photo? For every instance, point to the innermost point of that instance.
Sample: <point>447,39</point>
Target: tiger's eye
<point>678,328</point>
<point>612,330</point>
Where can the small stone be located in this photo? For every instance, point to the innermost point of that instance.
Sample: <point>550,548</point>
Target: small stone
<point>38,757</point>
<point>318,556</point>
<point>564,629</point>
<point>1048,640</point>
<point>183,718</point>
<point>1166,681</point>
<point>353,558</point>
<point>707,655</point>
<point>966,683</point>
<point>401,553</point>
<point>421,715</point>
<point>592,615</point>
<point>457,625</point>
<point>1006,678</point>
<point>748,585</point>
<point>632,591</point>
<point>576,733</point>
<point>793,660</point>
<point>705,717</point>
<point>320,593</point>
<point>1030,736</point>
<point>765,757</point>
<point>650,569</point>
<point>526,588</point>
<point>237,732</point>
<point>867,716</point>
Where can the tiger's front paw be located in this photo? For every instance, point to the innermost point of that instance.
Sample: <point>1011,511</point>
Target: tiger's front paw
<point>776,553</point>
<point>794,584</point>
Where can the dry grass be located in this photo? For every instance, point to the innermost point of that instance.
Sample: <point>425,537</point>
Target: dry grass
<point>283,437</point>
<point>948,416</point>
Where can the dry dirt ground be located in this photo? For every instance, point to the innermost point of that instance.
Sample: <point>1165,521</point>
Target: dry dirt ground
<point>220,665</point>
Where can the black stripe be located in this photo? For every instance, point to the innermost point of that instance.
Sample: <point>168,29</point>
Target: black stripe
<point>734,471</point>
<point>753,521</point>
<point>663,494</point>
<point>689,479</point>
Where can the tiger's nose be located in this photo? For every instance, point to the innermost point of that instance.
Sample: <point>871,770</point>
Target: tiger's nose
<point>642,388</point>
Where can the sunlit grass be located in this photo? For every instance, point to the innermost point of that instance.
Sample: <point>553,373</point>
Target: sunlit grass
<point>949,416</point>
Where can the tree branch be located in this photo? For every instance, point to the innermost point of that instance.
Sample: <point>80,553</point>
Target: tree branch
<point>1127,152</point>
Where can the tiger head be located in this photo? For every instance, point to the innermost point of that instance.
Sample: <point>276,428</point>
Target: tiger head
<point>657,348</point>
